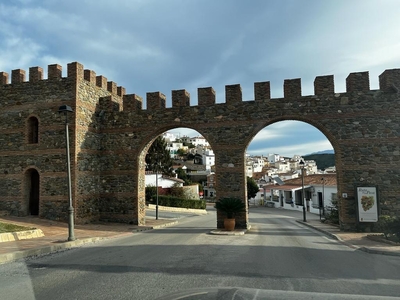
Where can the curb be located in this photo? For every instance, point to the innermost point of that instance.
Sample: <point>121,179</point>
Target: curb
<point>382,252</point>
<point>154,227</point>
<point>224,232</point>
<point>179,209</point>
<point>20,235</point>
<point>332,235</point>
<point>8,257</point>
<point>234,232</point>
<point>59,246</point>
<point>364,249</point>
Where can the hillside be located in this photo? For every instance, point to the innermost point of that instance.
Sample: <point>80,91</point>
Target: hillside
<point>323,161</point>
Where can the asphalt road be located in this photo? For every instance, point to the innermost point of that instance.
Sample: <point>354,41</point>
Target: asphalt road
<point>277,254</point>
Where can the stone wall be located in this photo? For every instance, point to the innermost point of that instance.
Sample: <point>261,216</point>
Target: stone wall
<point>111,132</point>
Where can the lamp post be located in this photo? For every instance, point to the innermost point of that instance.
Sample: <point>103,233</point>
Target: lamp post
<point>302,188</point>
<point>156,191</point>
<point>65,109</point>
<point>265,194</point>
<point>323,196</point>
<point>156,166</point>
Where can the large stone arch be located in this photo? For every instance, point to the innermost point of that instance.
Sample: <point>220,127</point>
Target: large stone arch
<point>110,130</point>
<point>141,155</point>
<point>230,126</point>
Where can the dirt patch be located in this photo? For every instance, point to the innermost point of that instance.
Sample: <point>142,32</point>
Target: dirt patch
<point>380,238</point>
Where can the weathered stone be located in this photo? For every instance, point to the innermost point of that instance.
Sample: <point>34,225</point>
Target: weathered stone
<point>110,134</point>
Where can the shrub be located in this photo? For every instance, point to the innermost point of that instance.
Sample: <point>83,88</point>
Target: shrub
<point>333,214</point>
<point>230,206</point>
<point>389,226</point>
<point>151,192</point>
<point>179,202</point>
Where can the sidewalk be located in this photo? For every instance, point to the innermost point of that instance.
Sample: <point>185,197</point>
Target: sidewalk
<point>56,234</point>
<point>356,240</point>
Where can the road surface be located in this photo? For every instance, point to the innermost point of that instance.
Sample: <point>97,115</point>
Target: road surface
<point>277,254</point>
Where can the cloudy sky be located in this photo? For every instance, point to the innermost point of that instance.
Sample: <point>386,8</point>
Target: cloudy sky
<point>164,45</point>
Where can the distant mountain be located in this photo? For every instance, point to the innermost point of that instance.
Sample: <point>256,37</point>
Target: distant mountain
<point>323,160</point>
<point>323,152</point>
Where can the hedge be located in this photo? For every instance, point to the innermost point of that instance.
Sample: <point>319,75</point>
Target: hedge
<point>179,202</point>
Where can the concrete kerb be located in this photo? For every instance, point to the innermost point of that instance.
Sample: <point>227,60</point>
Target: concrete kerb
<point>330,234</point>
<point>8,257</point>
<point>20,235</point>
<point>334,236</point>
<point>179,209</point>
<point>234,232</point>
<point>374,251</point>
<point>65,245</point>
<point>225,232</point>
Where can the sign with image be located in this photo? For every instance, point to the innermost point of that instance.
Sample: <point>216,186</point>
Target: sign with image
<point>367,204</point>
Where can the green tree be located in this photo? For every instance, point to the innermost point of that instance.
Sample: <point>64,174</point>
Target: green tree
<point>158,157</point>
<point>183,175</point>
<point>178,191</point>
<point>180,152</point>
<point>252,188</point>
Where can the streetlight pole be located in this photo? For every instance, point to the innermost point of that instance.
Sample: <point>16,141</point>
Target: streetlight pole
<point>157,191</point>
<point>302,193</point>
<point>65,109</point>
<point>323,196</point>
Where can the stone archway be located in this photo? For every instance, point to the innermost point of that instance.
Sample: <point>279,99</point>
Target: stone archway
<point>349,121</point>
<point>110,129</point>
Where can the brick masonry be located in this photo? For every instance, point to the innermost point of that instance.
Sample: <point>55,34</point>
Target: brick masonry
<point>110,133</point>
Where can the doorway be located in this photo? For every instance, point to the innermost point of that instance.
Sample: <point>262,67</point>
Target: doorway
<point>33,183</point>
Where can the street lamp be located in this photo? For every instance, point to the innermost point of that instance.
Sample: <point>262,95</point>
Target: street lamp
<point>302,193</point>
<point>65,109</point>
<point>156,191</point>
<point>156,166</point>
<point>323,197</point>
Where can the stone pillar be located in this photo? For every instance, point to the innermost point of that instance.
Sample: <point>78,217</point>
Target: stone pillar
<point>231,180</point>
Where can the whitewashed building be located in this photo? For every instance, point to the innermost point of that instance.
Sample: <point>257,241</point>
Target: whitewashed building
<point>162,180</point>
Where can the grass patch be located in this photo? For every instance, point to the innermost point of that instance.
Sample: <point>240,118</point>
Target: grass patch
<point>6,227</point>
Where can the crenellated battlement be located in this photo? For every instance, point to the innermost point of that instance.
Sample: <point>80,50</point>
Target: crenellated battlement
<point>389,81</point>
<point>357,82</point>
<point>75,71</point>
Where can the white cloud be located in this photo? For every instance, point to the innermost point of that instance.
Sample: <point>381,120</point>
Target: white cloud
<point>293,149</point>
<point>269,134</point>
<point>160,46</point>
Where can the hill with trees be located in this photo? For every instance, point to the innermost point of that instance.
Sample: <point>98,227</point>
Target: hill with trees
<point>323,161</point>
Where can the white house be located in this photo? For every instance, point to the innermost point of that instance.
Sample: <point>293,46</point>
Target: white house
<point>162,181</point>
<point>273,158</point>
<point>262,196</point>
<point>283,166</point>
<point>258,164</point>
<point>169,136</point>
<point>196,141</point>
<point>208,159</point>
<point>320,191</point>
<point>173,148</point>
